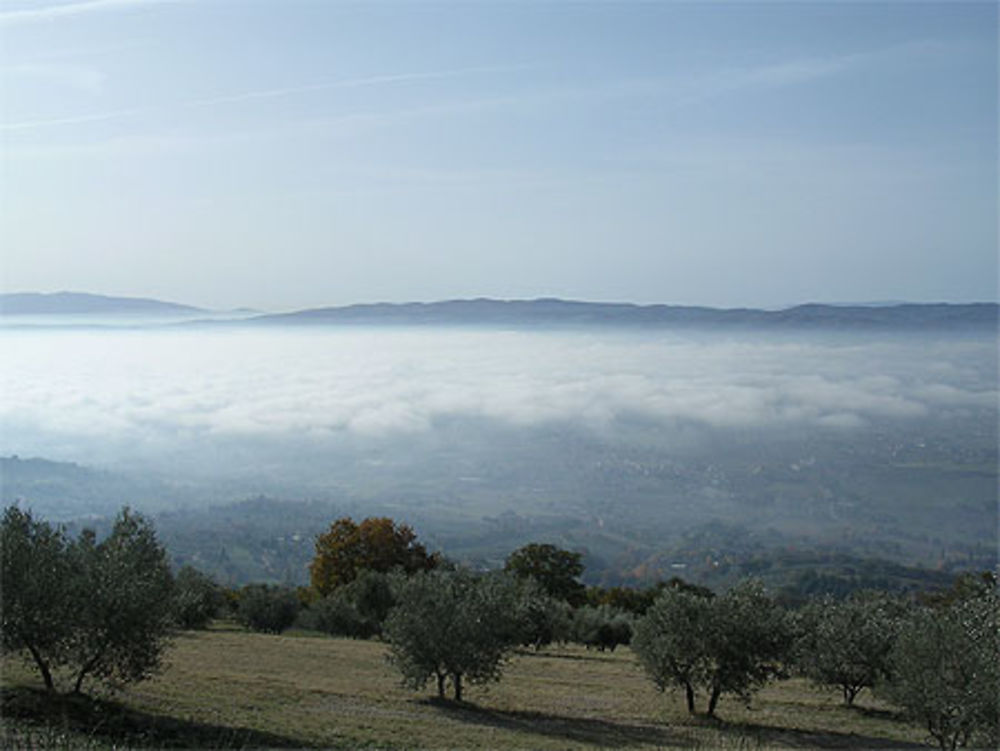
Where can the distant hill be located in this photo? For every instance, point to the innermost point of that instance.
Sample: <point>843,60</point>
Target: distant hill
<point>81,303</point>
<point>65,490</point>
<point>554,312</point>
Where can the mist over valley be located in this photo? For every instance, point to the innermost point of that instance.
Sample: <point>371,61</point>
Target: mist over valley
<point>653,450</point>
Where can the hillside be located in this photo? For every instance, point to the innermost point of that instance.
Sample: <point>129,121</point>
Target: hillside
<point>232,689</point>
<point>81,303</point>
<point>555,312</point>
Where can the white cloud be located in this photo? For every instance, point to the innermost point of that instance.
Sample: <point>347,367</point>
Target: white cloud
<point>56,11</point>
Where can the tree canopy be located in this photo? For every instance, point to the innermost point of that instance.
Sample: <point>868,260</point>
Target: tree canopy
<point>100,609</point>
<point>945,671</point>
<point>453,625</point>
<point>728,644</point>
<point>376,544</point>
<point>37,604</point>
<point>847,643</point>
<point>557,570</point>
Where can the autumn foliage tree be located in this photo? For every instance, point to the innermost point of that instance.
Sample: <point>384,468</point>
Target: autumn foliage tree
<point>376,544</point>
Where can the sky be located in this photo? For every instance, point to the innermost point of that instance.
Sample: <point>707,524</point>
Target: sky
<point>284,155</point>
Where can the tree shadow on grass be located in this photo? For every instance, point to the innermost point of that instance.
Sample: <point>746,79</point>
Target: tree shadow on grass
<point>609,734</point>
<point>100,722</point>
<point>766,736</point>
<point>582,730</point>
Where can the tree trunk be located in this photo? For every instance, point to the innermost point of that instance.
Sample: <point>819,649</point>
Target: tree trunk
<point>441,677</point>
<point>86,669</point>
<point>850,692</point>
<point>457,678</point>
<point>689,693</point>
<point>713,700</point>
<point>43,668</point>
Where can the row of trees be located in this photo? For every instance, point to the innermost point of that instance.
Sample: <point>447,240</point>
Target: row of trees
<point>939,659</point>
<point>104,609</point>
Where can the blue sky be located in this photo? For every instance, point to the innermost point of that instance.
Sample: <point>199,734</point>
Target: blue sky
<point>291,154</point>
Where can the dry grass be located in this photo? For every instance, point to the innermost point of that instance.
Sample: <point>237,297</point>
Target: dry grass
<point>228,688</point>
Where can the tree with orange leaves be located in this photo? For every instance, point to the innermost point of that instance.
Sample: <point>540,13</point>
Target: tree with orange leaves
<point>376,544</point>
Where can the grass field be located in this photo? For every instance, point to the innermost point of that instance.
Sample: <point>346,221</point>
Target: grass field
<point>232,689</point>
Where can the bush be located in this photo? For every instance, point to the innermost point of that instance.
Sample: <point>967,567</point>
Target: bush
<point>357,610</point>
<point>602,627</point>
<point>336,615</point>
<point>197,599</point>
<point>267,609</point>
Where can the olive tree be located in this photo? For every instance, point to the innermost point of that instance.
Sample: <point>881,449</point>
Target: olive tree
<point>670,641</point>
<point>453,625</point>
<point>124,600</point>
<point>99,609</point>
<point>847,643</point>
<point>945,671</point>
<point>729,644</point>
<point>37,611</point>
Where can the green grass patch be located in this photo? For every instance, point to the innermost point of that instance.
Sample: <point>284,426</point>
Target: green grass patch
<point>225,688</point>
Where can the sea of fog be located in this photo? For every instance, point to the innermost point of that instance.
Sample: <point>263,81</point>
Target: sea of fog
<point>227,399</point>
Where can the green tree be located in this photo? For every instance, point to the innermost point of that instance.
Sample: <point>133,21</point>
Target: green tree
<point>602,627</point>
<point>729,644</point>
<point>197,598</point>
<point>670,641</point>
<point>124,598</point>
<point>847,643</point>
<point>945,671</point>
<point>557,570</point>
<point>376,544</point>
<point>268,609</point>
<point>749,639</point>
<point>542,619</point>
<point>358,609</point>
<point>453,625</point>
<point>37,611</point>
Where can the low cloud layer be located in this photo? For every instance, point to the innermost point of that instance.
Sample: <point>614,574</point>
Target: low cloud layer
<point>110,396</point>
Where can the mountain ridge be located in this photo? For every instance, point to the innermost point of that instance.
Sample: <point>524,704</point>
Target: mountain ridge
<point>544,311</point>
<point>85,303</point>
<point>552,311</point>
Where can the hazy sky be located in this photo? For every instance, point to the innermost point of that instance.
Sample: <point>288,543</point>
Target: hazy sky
<point>290,154</point>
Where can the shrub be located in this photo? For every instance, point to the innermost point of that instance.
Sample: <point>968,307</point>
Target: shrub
<point>602,627</point>
<point>197,598</point>
<point>267,609</point>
